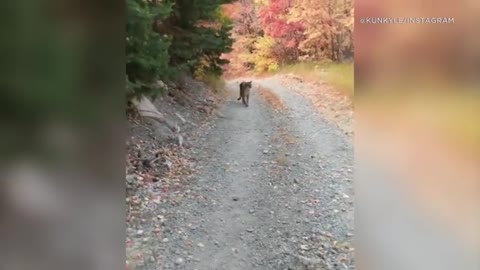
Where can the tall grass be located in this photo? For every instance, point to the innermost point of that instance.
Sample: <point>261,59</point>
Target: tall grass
<point>216,83</point>
<point>338,75</point>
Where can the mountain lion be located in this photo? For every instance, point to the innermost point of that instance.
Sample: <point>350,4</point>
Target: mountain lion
<point>245,92</point>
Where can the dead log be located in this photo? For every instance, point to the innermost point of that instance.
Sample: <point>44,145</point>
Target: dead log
<point>146,109</point>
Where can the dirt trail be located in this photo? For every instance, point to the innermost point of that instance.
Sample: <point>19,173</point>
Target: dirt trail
<point>274,190</point>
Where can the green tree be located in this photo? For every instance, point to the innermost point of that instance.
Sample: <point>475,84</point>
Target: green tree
<point>146,50</point>
<point>168,37</point>
<point>201,36</point>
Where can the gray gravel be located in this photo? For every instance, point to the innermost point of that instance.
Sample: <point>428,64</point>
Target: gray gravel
<point>258,201</point>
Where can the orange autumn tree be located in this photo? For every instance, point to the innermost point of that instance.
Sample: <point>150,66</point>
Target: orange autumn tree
<point>246,31</point>
<point>328,28</point>
<point>272,33</point>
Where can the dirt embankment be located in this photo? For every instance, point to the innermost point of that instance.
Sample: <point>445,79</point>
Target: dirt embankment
<point>156,162</point>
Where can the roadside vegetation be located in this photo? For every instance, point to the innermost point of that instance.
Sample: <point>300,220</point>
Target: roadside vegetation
<point>338,75</point>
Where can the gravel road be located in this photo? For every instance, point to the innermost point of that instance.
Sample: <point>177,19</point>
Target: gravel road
<point>273,190</point>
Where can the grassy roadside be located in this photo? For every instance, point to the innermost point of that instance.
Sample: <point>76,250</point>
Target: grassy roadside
<point>216,83</point>
<point>339,76</point>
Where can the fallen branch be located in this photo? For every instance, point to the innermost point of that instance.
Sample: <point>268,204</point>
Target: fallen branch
<point>181,118</point>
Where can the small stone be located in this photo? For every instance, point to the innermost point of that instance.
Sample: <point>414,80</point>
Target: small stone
<point>130,178</point>
<point>179,261</point>
<point>235,198</point>
<point>265,151</point>
<point>165,240</point>
<point>304,247</point>
<point>250,230</point>
<point>201,245</point>
<point>139,232</point>
<point>251,211</point>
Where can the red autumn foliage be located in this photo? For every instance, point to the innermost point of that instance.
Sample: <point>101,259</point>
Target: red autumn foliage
<point>288,34</point>
<point>272,33</point>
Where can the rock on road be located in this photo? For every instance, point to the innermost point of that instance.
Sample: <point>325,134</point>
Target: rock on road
<point>275,188</point>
